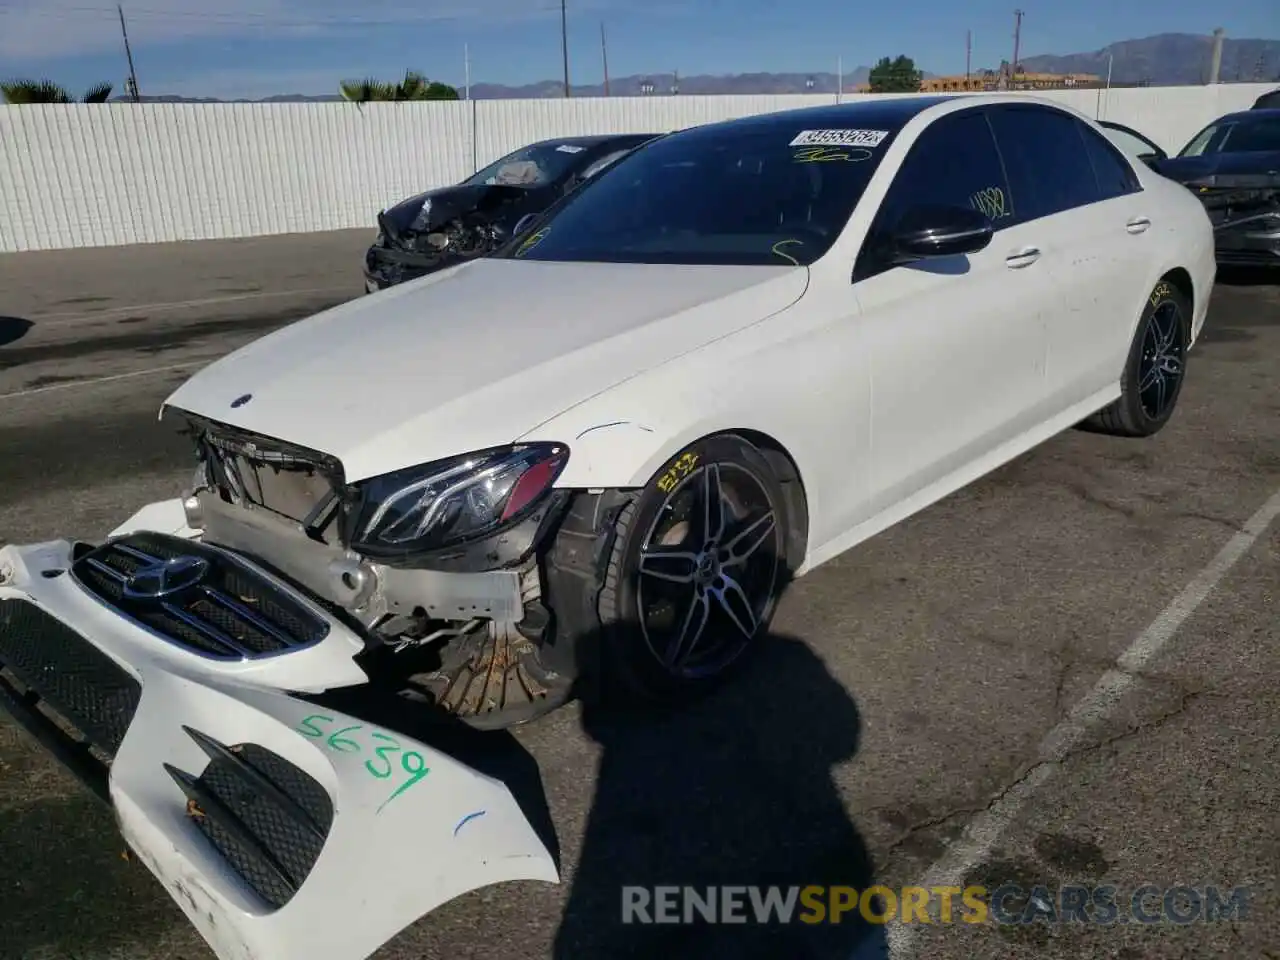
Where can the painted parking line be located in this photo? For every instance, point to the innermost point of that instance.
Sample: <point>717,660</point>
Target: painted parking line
<point>984,831</point>
<point>133,308</point>
<point>93,381</point>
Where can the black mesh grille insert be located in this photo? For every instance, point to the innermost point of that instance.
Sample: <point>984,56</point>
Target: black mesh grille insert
<point>229,612</point>
<point>69,695</point>
<point>265,816</point>
<point>68,673</point>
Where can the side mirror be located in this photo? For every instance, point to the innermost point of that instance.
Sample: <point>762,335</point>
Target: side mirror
<point>936,231</point>
<point>523,224</point>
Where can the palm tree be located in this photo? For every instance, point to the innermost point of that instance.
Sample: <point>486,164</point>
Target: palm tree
<point>46,91</point>
<point>414,86</point>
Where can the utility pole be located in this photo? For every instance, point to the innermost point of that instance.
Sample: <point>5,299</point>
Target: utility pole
<point>1017,41</point>
<point>133,75</point>
<point>564,43</point>
<point>604,57</point>
<point>968,55</point>
<point>466,67</point>
<point>839,78</point>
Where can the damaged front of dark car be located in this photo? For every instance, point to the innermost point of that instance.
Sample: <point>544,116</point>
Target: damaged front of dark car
<point>449,225</point>
<point>1233,166</point>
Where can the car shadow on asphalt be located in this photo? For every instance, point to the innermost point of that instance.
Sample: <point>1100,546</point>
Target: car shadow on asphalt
<point>734,790</point>
<point>13,329</point>
<point>1248,276</point>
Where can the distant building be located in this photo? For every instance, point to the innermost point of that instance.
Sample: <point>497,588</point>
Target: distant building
<point>1002,79</point>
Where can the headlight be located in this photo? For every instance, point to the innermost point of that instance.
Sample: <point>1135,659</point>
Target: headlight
<point>455,500</point>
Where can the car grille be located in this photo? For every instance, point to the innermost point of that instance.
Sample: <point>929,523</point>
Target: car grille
<point>66,692</point>
<point>266,817</point>
<point>231,613</point>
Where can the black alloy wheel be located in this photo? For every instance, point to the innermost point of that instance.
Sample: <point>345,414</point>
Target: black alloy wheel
<point>698,564</point>
<point>1154,369</point>
<point>1164,355</point>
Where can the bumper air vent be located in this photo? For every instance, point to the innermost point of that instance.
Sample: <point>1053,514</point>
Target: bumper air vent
<point>69,695</point>
<point>267,818</point>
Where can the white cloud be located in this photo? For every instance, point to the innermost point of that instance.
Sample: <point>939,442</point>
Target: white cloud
<point>32,30</point>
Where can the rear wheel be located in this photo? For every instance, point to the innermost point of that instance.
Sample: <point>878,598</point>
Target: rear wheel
<point>696,568</point>
<point>1154,370</point>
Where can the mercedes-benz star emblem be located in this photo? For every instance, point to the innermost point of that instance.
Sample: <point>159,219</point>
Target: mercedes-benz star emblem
<point>241,400</point>
<point>154,581</point>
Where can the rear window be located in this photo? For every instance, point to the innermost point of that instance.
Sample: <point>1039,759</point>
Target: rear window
<point>757,195</point>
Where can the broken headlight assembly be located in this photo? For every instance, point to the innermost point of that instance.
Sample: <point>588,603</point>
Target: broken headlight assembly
<point>451,502</point>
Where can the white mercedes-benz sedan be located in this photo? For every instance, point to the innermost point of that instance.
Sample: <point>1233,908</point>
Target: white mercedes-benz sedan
<point>587,465</point>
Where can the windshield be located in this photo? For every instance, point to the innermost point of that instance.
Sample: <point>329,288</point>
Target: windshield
<point>1242,135</point>
<point>533,166</point>
<point>716,196</point>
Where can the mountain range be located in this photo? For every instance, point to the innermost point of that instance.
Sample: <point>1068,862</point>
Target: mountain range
<point>1167,59</point>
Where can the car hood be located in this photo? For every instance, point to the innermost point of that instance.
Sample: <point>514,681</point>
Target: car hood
<point>474,356</point>
<point>448,203</point>
<point>1186,169</point>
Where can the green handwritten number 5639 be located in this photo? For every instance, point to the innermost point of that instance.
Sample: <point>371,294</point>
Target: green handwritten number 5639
<point>412,763</point>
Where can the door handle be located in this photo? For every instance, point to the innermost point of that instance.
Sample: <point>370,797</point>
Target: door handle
<point>1022,258</point>
<point>1137,224</point>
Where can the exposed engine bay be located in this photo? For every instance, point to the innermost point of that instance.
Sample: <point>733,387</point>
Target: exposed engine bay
<point>456,627</point>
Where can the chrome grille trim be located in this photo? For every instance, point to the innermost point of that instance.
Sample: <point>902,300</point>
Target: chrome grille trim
<point>235,613</point>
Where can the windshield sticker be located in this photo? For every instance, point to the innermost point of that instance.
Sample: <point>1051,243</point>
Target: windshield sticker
<point>992,202</point>
<point>532,241</point>
<point>570,148</point>
<point>825,154</point>
<point>839,138</point>
<point>785,256</point>
<point>387,756</point>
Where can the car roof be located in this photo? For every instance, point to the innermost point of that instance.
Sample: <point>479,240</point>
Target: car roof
<point>1254,114</point>
<point>888,112</point>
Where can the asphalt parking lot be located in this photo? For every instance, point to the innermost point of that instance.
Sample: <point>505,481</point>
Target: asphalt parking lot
<point>1065,674</point>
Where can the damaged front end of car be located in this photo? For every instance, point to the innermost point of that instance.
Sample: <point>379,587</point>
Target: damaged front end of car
<point>436,565</point>
<point>196,669</point>
<point>439,230</point>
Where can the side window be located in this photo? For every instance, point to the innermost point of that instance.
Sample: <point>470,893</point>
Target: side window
<point>1045,156</point>
<point>954,163</point>
<point>1115,177</point>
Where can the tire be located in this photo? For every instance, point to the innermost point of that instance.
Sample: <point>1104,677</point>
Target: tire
<point>640,609</point>
<point>1154,369</point>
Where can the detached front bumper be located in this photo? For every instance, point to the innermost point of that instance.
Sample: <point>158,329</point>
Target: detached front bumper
<point>282,828</point>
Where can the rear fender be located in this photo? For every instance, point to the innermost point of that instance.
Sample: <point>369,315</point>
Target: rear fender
<point>411,827</point>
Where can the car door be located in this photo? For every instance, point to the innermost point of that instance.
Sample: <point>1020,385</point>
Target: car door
<point>1094,219</point>
<point>956,344</point>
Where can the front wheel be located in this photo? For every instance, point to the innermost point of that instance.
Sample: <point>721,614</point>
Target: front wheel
<point>1154,369</point>
<point>697,565</point>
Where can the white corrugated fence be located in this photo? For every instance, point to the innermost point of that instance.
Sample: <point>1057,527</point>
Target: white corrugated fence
<point>80,175</point>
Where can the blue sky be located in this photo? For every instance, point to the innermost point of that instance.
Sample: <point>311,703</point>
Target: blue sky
<point>253,48</point>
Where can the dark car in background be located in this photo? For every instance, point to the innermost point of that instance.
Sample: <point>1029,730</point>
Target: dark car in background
<point>1233,166</point>
<point>436,229</point>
